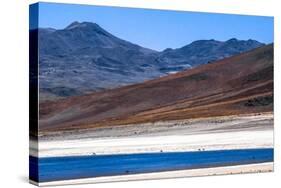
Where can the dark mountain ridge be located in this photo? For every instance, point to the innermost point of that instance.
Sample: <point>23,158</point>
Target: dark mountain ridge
<point>83,57</point>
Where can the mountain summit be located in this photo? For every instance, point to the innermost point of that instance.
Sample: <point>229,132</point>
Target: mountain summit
<point>75,25</point>
<point>77,38</point>
<point>84,57</point>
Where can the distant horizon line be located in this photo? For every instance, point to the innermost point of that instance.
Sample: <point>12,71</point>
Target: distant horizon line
<point>210,39</point>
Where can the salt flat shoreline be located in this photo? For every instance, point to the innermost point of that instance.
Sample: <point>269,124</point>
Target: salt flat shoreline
<point>237,169</point>
<point>219,133</point>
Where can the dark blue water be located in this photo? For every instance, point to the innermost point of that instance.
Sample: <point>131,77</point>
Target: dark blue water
<point>64,168</point>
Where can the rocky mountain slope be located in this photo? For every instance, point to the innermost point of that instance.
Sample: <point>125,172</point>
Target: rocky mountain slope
<point>240,84</point>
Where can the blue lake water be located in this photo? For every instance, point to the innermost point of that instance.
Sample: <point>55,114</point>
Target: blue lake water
<point>65,168</point>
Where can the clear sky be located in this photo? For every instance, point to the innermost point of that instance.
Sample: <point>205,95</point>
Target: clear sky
<point>159,29</point>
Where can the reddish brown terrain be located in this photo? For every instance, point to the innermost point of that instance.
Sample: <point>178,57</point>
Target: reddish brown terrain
<point>241,84</point>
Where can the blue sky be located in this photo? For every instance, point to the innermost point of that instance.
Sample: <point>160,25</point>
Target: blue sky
<point>159,29</point>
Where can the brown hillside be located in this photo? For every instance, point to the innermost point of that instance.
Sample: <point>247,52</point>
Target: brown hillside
<point>237,85</point>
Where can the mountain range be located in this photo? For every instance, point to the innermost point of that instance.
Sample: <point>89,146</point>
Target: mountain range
<point>83,57</point>
<point>241,84</point>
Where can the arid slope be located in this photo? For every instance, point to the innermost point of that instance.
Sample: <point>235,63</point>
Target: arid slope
<point>240,84</point>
